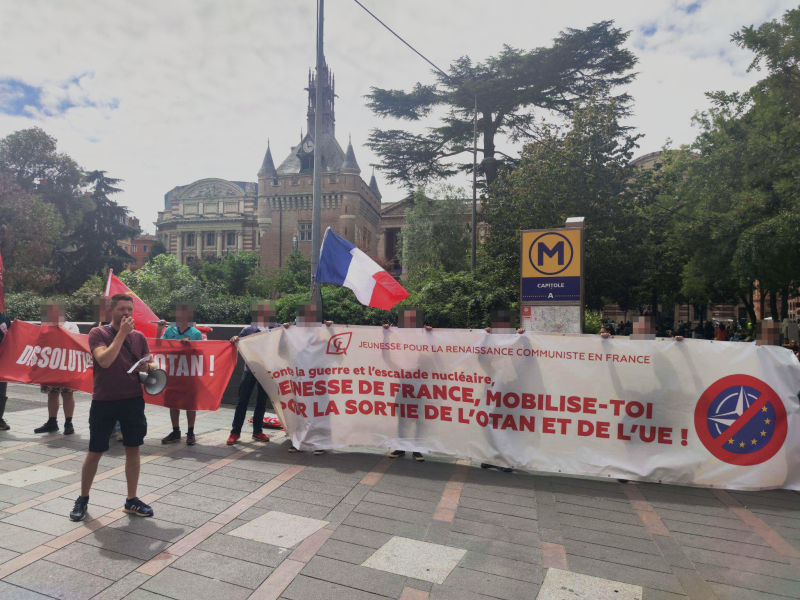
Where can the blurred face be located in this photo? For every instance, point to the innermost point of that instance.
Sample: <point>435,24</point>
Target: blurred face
<point>410,318</point>
<point>184,316</point>
<point>53,313</point>
<point>644,328</point>
<point>501,321</point>
<point>123,308</point>
<point>309,315</point>
<point>102,309</point>
<point>263,314</point>
<point>768,333</point>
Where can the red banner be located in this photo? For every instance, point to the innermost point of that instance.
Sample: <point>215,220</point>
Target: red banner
<point>198,372</point>
<point>142,315</point>
<point>47,355</point>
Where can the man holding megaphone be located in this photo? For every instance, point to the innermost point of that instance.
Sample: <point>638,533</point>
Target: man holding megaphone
<point>120,354</point>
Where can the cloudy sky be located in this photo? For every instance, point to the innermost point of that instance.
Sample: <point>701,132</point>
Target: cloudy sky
<point>165,92</point>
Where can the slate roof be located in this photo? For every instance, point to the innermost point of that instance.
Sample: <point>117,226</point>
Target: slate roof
<point>333,157</point>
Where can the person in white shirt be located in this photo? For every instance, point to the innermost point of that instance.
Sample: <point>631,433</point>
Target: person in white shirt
<point>53,315</point>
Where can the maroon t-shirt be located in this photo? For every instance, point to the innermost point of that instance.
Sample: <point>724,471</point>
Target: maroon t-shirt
<point>115,383</point>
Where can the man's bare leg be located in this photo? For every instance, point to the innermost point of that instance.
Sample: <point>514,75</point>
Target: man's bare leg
<point>132,466</point>
<point>89,471</point>
<point>69,404</point>
<point>53,404</point>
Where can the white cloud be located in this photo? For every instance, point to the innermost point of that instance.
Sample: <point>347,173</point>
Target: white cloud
<point>165,93</point>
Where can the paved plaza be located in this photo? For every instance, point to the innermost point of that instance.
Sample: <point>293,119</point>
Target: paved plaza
<point>254,521</point>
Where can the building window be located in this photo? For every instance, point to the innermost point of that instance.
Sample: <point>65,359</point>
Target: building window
<point>305,231</point>
<point>190,239</point>
<point>210,239</point>
<point>133,248</point>
<point>231,239</point>
<point>144,248</point>
<point>259,238</point>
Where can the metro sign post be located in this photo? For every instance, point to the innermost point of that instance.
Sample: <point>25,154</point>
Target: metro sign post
<point>552,278</point>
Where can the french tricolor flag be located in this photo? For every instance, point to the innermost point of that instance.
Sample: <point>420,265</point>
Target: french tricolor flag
<point>341,263</point>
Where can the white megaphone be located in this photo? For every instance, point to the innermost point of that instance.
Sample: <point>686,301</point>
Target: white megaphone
<point>154,382</point>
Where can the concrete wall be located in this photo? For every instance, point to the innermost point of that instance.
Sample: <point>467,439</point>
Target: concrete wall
<point>221,332</point>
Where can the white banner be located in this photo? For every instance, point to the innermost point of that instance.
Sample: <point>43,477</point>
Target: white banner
<point>719,414</point>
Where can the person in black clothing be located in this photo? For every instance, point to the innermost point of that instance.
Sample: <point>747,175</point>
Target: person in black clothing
<point>5,323</point>
<point>263,318</point>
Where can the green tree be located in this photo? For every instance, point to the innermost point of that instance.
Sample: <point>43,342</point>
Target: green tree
<point>584,172</point>
<point>581,63</point>
<point>94,244</point>
<point>157,249</point>
<point>30,156</point>
<point>436,236</point>
<point>237,269</point>
<point>29,231</point>
<point>743,187</point>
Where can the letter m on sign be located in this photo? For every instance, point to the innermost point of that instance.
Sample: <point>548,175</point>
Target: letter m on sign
<point>551,252</point>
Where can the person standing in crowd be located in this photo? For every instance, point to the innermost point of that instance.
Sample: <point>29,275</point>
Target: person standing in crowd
<point>120,353</point>
<point>263,319</point>
<point>501,323</point>
<point>309,314</point>
<point>721,335</point>
<point>183,330</point>
<point>53,316</point>
<point>409,318</point>
<point>5,323</point>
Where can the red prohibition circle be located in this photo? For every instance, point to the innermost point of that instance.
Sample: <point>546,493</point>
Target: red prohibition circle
<point>768,396</point>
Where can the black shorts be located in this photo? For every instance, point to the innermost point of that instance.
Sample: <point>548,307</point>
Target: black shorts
<point>103,415</point>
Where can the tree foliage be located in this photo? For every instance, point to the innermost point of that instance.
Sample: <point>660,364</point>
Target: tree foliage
<point>581,173</point>
<point>29,231</point>
<point>93,246</point>
<point>581,63</point>
<point>436,235</point>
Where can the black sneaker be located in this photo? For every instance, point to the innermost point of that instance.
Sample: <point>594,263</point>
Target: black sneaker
<point>47,427</point>
<point>319,452</point>
<point>3,425</point>
<point>292,449</point>
<point>397,453</point>
<point>174,436</point>
<point>418,456</point>
<point>134,506</point>
<point>68,429</point>
<point>79,510</point>
<point>190,439</point>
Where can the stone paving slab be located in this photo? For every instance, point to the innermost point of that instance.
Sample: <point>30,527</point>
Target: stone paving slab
<point>510,530</point>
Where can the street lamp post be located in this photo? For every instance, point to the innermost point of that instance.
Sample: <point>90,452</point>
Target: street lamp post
<point>316,212</point>
<point>475,184</point>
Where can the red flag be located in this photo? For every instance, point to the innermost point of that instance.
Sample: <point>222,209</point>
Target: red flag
<point>2,294</point>
<point>142,315</point>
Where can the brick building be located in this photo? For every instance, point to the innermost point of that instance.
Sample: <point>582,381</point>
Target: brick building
<point>212,217</point>
<point>350,206</point>
<point>139,246</point>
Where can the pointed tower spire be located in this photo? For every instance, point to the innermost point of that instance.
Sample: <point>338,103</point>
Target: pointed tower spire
<point>350,163</point>
<point>373,185</point>
<point>267,166</point>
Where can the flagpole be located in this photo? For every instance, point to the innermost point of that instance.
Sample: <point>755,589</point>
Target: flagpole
<point>316,212</point>
<point>108,283</point>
